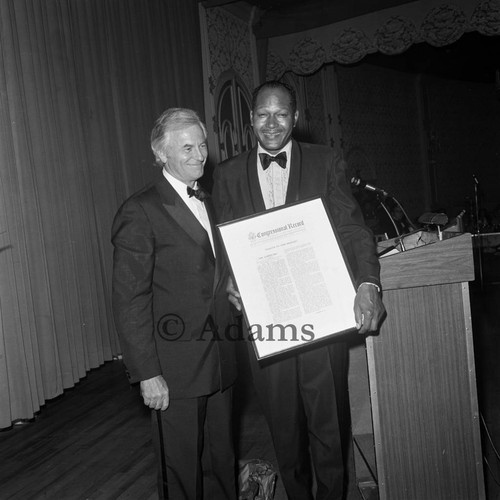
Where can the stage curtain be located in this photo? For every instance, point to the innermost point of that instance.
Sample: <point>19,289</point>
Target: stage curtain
<point>81,82</point>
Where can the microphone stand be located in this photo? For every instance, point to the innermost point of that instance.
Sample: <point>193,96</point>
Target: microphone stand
<point>478,231</point>
<point>410,223</point>
<point>381,196</point>
<point>388,212</point>
<point>399,236</point>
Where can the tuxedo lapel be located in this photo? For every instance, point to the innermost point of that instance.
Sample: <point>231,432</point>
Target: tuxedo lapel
<point>294,180</point>
<point>253,182</point>
<point>217,242</point>
<point>185,219</point>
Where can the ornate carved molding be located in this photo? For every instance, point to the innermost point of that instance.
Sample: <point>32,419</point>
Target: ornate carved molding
<point>347,44</point>
<point>229,46</point>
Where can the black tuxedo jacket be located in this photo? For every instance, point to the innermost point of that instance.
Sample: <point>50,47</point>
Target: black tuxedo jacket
<point>169,294</point>
<point>314,171</point>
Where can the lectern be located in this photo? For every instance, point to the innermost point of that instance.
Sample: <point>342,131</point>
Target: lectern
<point>412,386</point>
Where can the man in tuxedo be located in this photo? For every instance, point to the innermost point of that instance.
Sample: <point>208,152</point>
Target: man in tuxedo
<point>171,311</point>
<point>303,396</point>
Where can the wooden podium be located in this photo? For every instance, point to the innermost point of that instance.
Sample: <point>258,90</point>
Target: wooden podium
<point>414,408</point>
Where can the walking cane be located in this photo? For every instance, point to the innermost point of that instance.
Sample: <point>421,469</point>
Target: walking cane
<point>162,457</point>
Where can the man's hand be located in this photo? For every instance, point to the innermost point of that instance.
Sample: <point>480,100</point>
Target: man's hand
<point>368,308</point>
<point>233,294</point>
<point>155,393</point>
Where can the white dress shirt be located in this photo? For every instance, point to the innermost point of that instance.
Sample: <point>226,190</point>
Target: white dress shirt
<point>274,180</point>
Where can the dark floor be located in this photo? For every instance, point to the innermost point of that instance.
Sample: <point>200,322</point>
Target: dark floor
<point>93,442</point>
<point>255,440</point>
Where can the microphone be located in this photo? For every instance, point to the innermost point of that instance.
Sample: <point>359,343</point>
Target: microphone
<point>356,181</point>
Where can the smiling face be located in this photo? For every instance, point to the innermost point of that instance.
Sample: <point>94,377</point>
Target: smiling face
<point>185,154</point>
<point>273,118</point>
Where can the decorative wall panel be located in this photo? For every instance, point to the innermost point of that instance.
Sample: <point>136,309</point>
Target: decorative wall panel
<point>228,74</point>
<point>315,108</point>
<point>229,46</point>
<point>380,130</point>
<point>311,104</point>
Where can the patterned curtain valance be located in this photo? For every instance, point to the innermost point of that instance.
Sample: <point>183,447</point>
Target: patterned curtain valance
<point>391,31</point>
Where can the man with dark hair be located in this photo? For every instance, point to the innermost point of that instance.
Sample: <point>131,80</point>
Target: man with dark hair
<point>303,396</point>
<point>171,310</point>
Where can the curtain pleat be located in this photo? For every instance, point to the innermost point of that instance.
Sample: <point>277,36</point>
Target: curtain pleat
<point>81,83</point>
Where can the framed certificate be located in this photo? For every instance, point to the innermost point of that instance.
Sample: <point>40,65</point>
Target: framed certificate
<point>293,278</point>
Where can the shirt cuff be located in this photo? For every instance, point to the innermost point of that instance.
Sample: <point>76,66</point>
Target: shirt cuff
<point>369,283</point>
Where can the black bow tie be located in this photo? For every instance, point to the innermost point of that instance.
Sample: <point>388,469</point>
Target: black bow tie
<point>197,193</point>
<point>266,159</point>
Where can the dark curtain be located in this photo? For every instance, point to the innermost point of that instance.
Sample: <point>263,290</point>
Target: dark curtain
<point>81,83</point>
